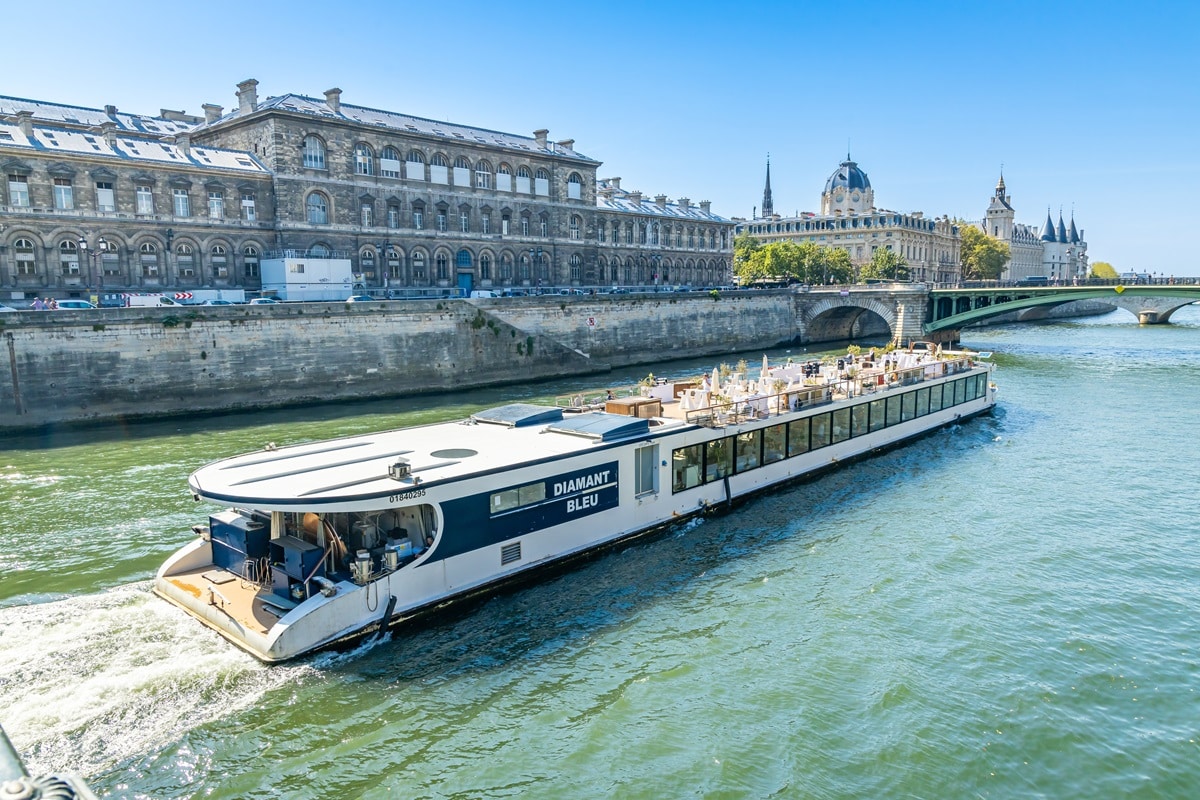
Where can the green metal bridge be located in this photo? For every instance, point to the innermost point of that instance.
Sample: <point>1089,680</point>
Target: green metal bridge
<point>952,309</point>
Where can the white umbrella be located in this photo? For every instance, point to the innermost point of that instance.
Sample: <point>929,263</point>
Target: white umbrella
<point>716,379</point>
<point>766,367</point>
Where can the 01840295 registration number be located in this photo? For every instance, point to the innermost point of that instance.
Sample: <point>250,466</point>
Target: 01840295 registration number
<point>396,498</point>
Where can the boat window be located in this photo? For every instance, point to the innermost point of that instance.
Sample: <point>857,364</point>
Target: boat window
<point>877,409</point>
<point>509,499</point>
<point>980,386</point>
<point>893,410</point>
<point>922,401</point>
<point>908,406</point>
<point>820,431</point>
<point>774,443</point>
<point>841,425</point>
<point>859,416</point>
<point>718,459</point>
<point>960,391</point>
<point>645,470</point>
<point>749,450</point>
<point>935,399</point>
<point>947,394</point>
<point>686,466</point>
<point>798,437</point>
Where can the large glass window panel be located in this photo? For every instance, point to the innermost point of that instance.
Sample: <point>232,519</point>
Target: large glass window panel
<point>798,437</point>
<point>878,417</point>
<point>840,431</point>
<point>908,406</point>
<point>687,464</point>
<point>718,458</point>
<point>860,417</point>
<point>820,431</point>
<point>749,450</point>
<point>922,401</point>
<point>774,443</point>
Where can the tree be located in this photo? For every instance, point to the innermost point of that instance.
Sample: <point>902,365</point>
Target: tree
<point>885,265</point>
<point>1103,270</point>
<point>983,256</point>
<point>744,246</point>
<point>838,267</point>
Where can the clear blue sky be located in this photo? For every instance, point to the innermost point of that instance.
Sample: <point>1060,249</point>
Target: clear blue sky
<point>1087,105</point>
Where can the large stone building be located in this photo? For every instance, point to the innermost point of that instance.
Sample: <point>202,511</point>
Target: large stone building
<point>1057,252</point>
<point>849,220</point>
<point>98,199</point>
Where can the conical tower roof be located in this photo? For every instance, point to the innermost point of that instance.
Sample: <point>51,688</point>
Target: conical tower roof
<point>1061,234</point>
<point>1048,229</point>
<point>1073,234</point>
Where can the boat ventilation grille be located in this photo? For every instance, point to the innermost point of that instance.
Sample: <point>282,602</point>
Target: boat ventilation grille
<point>510,553</point>
<point>399,470</point>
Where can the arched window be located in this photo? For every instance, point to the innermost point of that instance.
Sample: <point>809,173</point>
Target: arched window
<point>418,267</point>
<point>576,226</point>
<point>438,161</point>
<point>524,180</point>
<point>485,267</point>
<point>574,186</point>
<point>317,209</point>
<point>185,260</point>
<point>148,258</point>
<point>443,267</point>
<point>364,159</point>
<point>483,175</point>
<point>219,256</point>
<point>462,163</point>
<point>314,152</point>
<point>576,267</point>
<point>389,162</point>
<point>504,178</point>
<point>541,183</point>
<point>542,174</point>
<point>414,166</point>
<point>463,259</point>
<point>506,267</point>
<point>68,258</point>
<point>250,259</point>
<point>319,250</point>
<point>439,170</point>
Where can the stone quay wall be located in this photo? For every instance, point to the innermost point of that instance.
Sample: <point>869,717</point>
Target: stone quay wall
<point>106,364</point>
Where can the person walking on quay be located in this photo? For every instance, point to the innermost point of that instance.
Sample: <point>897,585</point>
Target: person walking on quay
<point>52,304</point>
<point>37,304</point>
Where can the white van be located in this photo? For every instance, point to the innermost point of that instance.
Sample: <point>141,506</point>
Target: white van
<point>483,293</point>
<point>148,301</point>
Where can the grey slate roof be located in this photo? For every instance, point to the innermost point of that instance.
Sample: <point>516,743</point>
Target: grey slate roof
<point>1048,229</point>
<point>75,115</point>
<point>621,200</point>
<point>394,120</point>
<point>847,176</point>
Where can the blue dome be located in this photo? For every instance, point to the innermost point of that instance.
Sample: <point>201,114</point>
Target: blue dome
<point>847,176</point>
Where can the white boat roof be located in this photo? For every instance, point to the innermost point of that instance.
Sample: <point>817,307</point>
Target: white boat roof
<point>357,467</point>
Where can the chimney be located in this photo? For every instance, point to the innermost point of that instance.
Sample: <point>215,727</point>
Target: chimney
<point>333,99</point>
<point>247,95</point>
<point>705,205</point>
<point>567,144</point>
<point>661,200</point>
<point>212,112</point>
<point>110,134</point>
<point>539,136</point>
<point>616,182</point>
<point>635,198</point>
<point>684,203</point>
<point>184,142</point>
<point>110,110</point>
<point>25,120</point>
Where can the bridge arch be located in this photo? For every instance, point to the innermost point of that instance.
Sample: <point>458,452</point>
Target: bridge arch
<point>831,319</point>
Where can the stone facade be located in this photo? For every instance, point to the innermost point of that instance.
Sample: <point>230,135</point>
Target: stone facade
<point>1056,252</point>
<point>850,220</point>
<point>411,202</point>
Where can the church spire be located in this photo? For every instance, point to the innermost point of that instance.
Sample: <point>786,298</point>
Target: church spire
<point>768,207</point>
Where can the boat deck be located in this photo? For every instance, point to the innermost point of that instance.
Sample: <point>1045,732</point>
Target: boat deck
<point>253,607</point>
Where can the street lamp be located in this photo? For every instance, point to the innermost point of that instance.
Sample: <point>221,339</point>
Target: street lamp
<point>655,260</point>
<point>535,258</point>
<point>385,265</point>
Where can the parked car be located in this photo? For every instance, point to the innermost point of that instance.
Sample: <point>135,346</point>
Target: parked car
<point>218,303</point>
<point>74,304</point>
<point>360,298</point>
<point>264,301</point>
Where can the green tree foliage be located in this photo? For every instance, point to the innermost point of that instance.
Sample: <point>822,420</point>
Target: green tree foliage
<point>744,247</point>
<point>885,265</point>
<point>1103,270</point>
<point>803,262</point>
<point>983,256</point>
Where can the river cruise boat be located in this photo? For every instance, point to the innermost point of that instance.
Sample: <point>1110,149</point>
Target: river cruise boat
<point>326,542</point>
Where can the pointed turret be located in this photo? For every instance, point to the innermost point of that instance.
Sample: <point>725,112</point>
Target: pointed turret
<point>1048,229</point>
<point>1061,234</point>
<point>1073,235</point>
<point>768,207</point>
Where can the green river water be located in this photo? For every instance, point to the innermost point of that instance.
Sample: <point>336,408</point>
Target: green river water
<point>1006,608</point>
